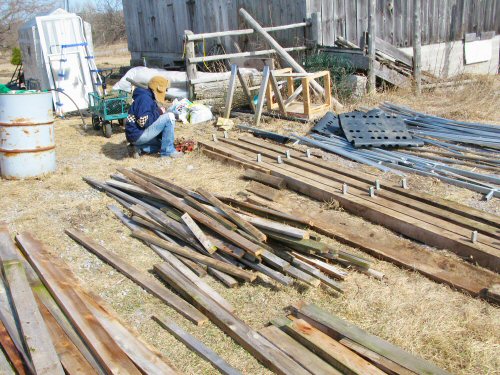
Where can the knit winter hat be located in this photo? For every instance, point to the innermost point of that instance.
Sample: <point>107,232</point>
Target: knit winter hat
<point>159,86</point>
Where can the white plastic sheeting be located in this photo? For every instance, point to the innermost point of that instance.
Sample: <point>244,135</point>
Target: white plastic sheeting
<point>178,80</point>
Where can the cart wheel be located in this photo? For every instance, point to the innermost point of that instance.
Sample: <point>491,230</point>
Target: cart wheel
<point>121,121</point>
<point>96,122</point>
<point>107,129</point>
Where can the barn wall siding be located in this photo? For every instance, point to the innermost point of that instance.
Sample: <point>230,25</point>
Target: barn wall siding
<point>157,26</point>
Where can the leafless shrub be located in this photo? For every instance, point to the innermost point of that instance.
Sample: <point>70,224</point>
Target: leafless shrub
<point>106,19</point>
<point>13,13</point>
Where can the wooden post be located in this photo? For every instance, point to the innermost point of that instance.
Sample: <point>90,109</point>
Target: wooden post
<point>316,34</point>
<point>190,68</point>
<point>262,93</point>
<point>371,45</point>
<point>230,90</point>
<point>417,54</point>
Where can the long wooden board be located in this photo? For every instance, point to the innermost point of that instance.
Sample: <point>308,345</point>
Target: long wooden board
<point>306,183</point>
<point>8,251</point>
<point>456,212</point>
<point>228,212</point>
<point>184,270</point>
<point>327,348</point>
<point>392,199</point>
<point>34,331</point>
<point>437,267</point>
<point>333,326</point>
<point>298,352</point>
<point>382,363</point>
<point>72,360</point>
<point>254,343</point>
<point>147,359</point>
<point>148,283</point>
<point>52,274</point>
<point>197,346</point>
<point>215,263</point>
<point>264,178</point>
<point>196,215</point>
<point>11,351</point>
<point>198,233</point>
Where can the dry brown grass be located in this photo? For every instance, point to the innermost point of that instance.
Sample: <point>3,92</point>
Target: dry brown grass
<point>457,332</point>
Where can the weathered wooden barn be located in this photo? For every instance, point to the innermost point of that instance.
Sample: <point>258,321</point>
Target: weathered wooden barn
<point>155,28</point>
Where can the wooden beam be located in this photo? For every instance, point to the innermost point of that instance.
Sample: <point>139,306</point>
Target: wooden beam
<point>432,264</point>
<point>10,350</point>
<point>218,34</point>
<point>71,359</point>
<point>214,215</point>
<point>217,264</point>
<point>393,51</point>
<point>297,351</point>
<point>457,213</point>
<point>261,98</point>
<point>232,161</point>
<point>265,178</point>
<point>382,212</point>
<point>382,363</point>
<point>263,191</point>
<point>277,92</point>
<point>145,357</point>
<point>330,350</point>
<point>250,340</point>
<point>198,233</point>
<point>98,340</point>
<point>233,216</point>
<point>147,283</point>
<point>230,90</point>
<point>197,346</point>
<point>34,331</point>
<point>334,326</point>
<point>196,215</point>
<point>186,272</point>
<point>246,90</point>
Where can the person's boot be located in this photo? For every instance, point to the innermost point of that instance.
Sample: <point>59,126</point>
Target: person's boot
<point>133,151</point>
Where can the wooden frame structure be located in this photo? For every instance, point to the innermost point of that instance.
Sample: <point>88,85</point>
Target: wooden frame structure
<point>305,108</point>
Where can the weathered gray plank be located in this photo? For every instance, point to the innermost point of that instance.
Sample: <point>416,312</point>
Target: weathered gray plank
<point>34,331</point>
<point>197,346</point>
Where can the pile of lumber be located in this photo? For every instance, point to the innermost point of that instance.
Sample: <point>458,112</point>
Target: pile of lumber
<point>470,233</point>
<point>50,325</point>
<point>391,65</point>
<point>323,343</point>
<point>227,238</point>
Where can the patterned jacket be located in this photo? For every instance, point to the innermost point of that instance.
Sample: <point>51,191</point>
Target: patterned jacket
<point>142,113</point>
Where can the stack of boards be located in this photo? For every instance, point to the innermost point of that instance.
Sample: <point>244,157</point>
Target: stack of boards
<point>234,241</point>
<point>322,343</point>
<point>50,325</point>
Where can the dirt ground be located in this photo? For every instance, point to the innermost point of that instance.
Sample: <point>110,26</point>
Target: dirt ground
<point>458,333</point>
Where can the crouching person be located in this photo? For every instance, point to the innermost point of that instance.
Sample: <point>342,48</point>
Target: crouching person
<point>148,128</point>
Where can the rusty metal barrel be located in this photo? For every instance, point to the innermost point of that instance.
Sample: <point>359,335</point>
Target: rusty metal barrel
<point>27,143</point>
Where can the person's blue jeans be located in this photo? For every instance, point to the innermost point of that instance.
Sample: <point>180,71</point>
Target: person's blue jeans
<point>159,136</point>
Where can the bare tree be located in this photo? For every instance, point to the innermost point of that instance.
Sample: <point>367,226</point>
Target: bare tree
<point>106,19</point>
<point>13,13</point>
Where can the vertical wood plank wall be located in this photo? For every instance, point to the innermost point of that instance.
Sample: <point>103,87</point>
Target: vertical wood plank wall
<point>158,25</point>
<point>442,20</point>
